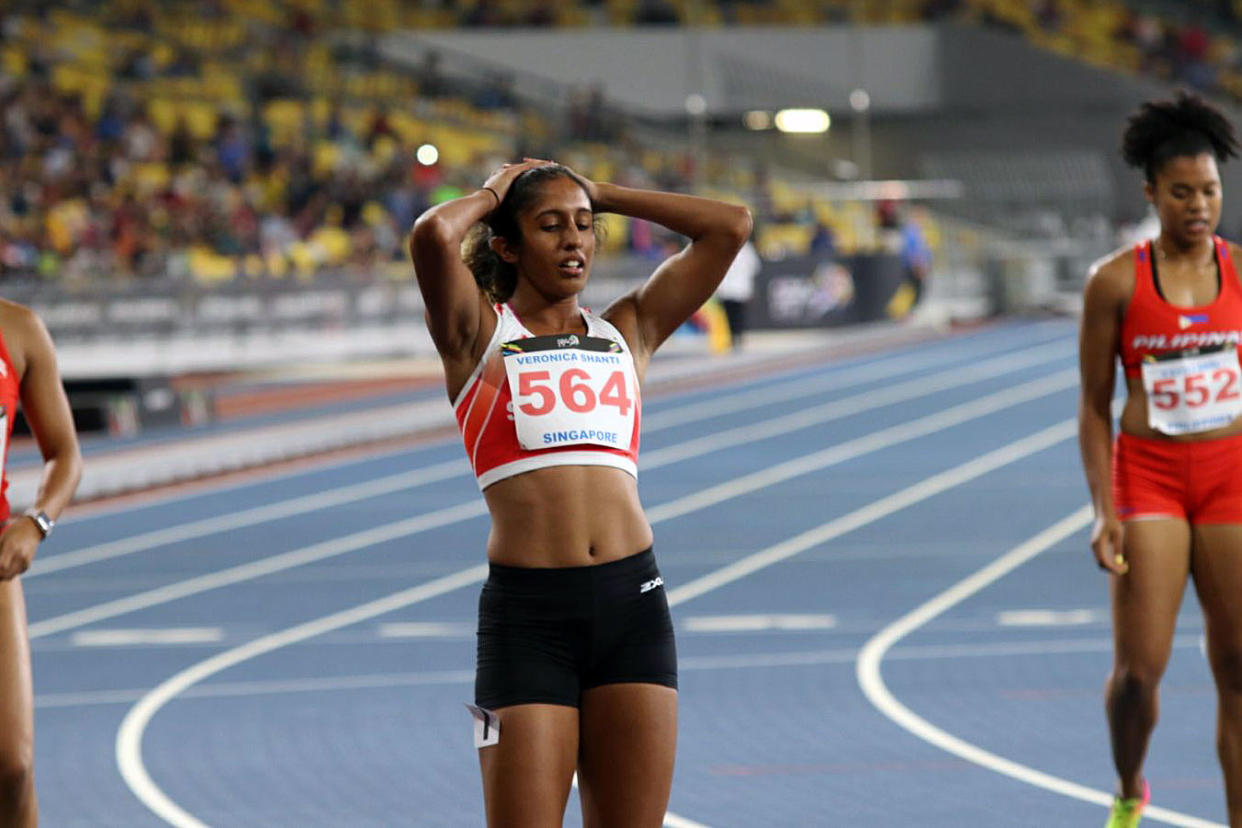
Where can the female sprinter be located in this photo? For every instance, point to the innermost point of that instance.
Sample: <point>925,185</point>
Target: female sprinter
<point>28,373</point>
<point>575,644</point>
<point>1168,493</point>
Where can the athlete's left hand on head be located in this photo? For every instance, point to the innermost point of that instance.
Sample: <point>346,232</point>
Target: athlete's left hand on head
<point>591,190</point>
<point>19,538</point>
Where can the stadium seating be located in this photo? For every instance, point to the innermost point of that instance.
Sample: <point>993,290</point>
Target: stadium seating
<point>231,139</point>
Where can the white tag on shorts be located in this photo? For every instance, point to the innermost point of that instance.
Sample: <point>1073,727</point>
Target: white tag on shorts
<point>1193,391</point>
<point>486,726</point>
<point>570,390</point>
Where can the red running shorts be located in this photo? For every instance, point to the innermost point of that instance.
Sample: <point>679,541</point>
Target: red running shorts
<point>1199,482</point>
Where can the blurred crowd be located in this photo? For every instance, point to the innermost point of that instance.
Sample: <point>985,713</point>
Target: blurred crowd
<point>218,139</point>
<point>225,139</point>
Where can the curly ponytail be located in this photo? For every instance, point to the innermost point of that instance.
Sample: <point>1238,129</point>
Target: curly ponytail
<point>494,276</point>
<point>1184,126</point>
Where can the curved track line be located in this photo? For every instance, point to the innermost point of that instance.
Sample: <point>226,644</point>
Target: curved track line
<point>129,736</point>
<point>872,682</point>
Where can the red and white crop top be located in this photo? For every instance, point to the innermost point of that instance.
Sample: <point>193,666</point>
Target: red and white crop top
<point>1153,327</point>
<point>534,402</point>
<point>10,394</point>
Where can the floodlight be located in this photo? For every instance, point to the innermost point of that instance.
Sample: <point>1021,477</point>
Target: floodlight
<point>802,120</point>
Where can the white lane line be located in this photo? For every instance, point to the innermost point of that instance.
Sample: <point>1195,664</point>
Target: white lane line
<point>1050,618</point>
<point>136,637</point>
<point>306,504</point>
<point>954,347</point>
<point>756,623</point>
<point>738,661</point>
<point>233,689</point>
<point>248,517</point>
<point>129,736</point>
<point>425,629</point>
<point>876,510</point>
<point>860,375</point>
<point>259,568</point>
<point>872,683</point>
<point>673,821</point>
<point>856,404</point>
<point>783,389</point>
<point>875,441</point>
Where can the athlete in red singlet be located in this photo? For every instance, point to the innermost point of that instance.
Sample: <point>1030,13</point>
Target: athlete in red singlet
<point>29,376</point>
<point>1168,490</point>
<point>576,660</point>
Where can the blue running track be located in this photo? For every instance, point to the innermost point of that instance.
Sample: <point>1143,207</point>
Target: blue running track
<point>293,649</point>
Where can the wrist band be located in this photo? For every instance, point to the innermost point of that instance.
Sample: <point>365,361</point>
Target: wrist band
<point>493,192</point>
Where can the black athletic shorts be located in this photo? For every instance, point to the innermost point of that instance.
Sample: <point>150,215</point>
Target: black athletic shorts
<point>545,635</point>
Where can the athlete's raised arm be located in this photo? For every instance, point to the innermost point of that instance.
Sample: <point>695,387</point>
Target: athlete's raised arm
<point>1098,337</point>
<point>684,281</point>
<point>47,411</point>
<point>457,311</point>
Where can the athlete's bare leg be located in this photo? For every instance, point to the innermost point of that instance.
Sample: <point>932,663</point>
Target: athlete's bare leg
<point>527,775</point>
<point>17,791</point>
<point>1145,604</point>
<point>1216,564</point>
<point>629,740</point>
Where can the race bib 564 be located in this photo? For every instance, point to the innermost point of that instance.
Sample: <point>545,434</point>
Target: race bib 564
<point>570,390</point>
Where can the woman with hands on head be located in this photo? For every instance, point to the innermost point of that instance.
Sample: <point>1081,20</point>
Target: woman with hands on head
<point>29,377</point>
<point>576,663</point>
<point>1167,491</point>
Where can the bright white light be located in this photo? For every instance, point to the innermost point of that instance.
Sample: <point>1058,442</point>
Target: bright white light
<point>860,101</point>
<point>757,119</point>
<point>802,120</point>
<point>427,155</point>
<point>696,104</point>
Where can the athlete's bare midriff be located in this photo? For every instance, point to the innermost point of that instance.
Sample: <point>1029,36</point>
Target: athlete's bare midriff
<point>1134,419</point>
<point>566,516</point>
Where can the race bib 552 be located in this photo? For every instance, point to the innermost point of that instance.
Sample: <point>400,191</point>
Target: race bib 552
<point>1191,391</point>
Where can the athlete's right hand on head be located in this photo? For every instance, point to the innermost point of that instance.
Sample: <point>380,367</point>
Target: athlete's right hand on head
<point>499,181</point>
<point>1107,542</point>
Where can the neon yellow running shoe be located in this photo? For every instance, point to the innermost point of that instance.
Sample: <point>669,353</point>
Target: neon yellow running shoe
<point>1126,812</point>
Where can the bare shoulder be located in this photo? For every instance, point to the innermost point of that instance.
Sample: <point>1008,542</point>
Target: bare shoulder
<point>24,333</point>
<point>1112,277</point>
<point>1235,249</point>
<point>622,314</point>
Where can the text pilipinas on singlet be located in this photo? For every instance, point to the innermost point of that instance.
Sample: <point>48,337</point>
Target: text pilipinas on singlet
<point>570,390</point>
<point>1193,391</point>
<point>1185,339</point>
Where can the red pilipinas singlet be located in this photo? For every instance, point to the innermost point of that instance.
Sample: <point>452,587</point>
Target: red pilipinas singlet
<point>1153,326</point>
<point>1187,360</point>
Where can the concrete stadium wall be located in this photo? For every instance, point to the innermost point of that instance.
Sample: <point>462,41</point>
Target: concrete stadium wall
<point>653,70</point>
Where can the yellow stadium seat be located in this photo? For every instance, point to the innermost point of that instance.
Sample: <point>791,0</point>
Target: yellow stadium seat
<point>201,118</point>
<point>327,157</point>
<point>277,264</point>
<point>13,62</point>
<point>150,178</point>
<point>209,267</point>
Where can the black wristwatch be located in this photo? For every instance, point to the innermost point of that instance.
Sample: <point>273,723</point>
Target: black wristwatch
<point>41,521</point>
